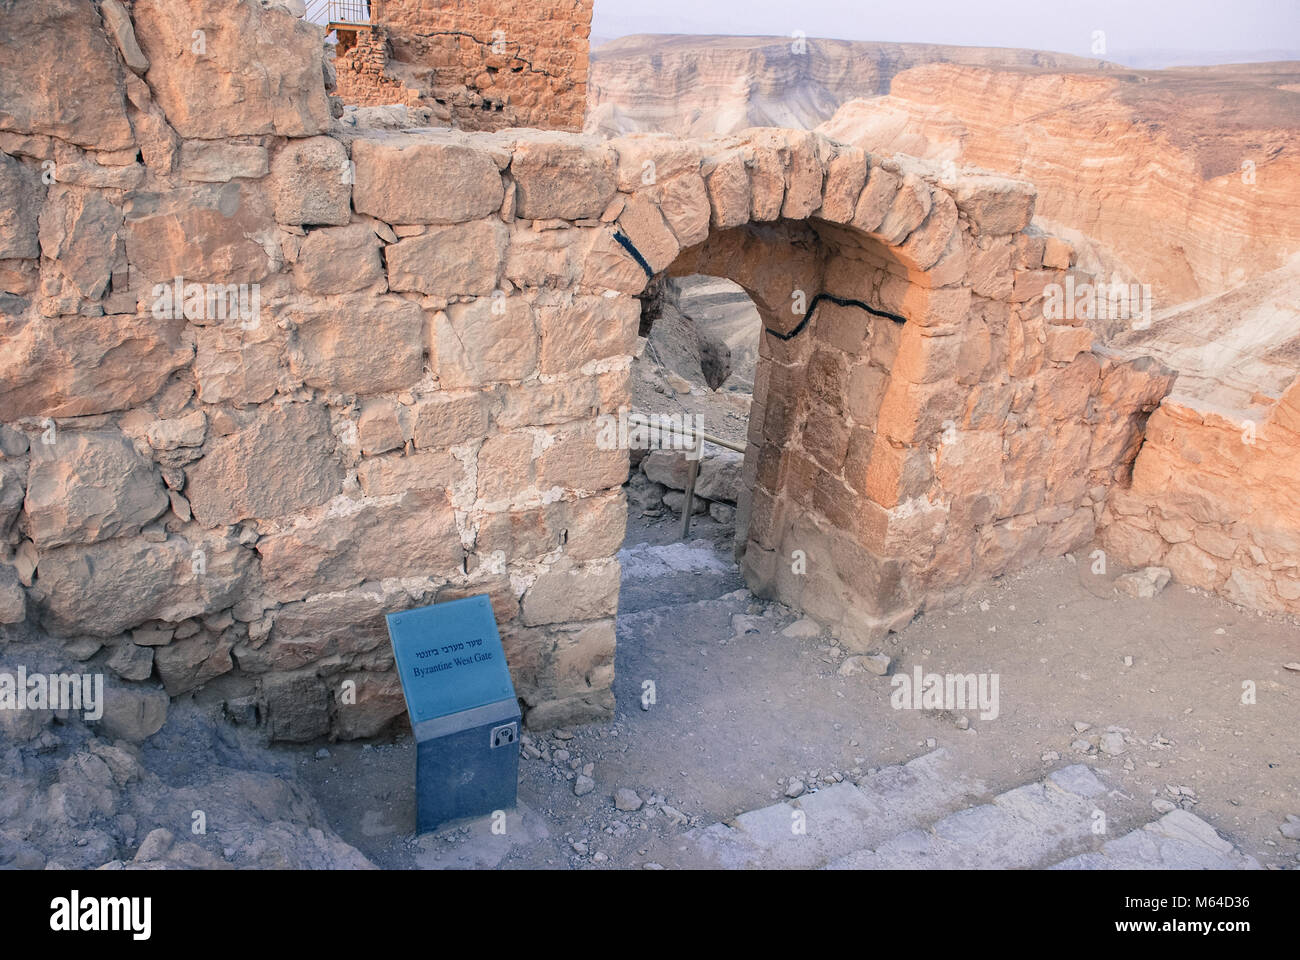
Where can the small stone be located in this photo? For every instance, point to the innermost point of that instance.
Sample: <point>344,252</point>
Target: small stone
<point>1051,756</point>
<point>1293,665</point>
<point>676,816</point>
<point>560,756</point>
<point>322,753</point>
<point>562,733</point>
<point>1081,727</point>
<point>850,667</point>
<point>579,847</point>
<point>1291,829</point>
<point>626,800</point>
<point>795,789</point>
<point>877,663</point>
<point>1081,745</point>
<point>804,629</point>
<point>963,723</point>
<point>1160,805</point>
<point>931,743</point>
<point>1143,584</point>
<point>652,866</point>
<point>1112,744</point>
<point>598,857</point>
<point>583,785</point>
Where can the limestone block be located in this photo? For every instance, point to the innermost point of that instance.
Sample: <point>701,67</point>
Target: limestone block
<point>684,201</point>
<point>310,182</point>
<point>562,175</point>
<point>184,665</point>
<point>578,460</point>
<point>846,175</point>
<point>569,591</point>
<point>297,707</point>
<point>76,366</point>
<point>410,535</point>
<point>444,421</point>
<point>79,97</point>
<point>996,205</point>
<point>215,161</point>
<point>103,589</point>
<point>335,260</point>
<point>204,233</point>
<point>485,341</point>
<point>505,466</point>
<point>88,487</point>
<point>644,225</point>
<point>877,197</point>
<point>457,260</point>
<point>239,366</point>
<point>388,476</point>
<point>278,462</point>
<point>82,232</point>
<point>361,344</point>
<point>21,187</point>
<point>910,206</point>
<point>729,190</point>
<point>586,328</point>
<point>249,71</point>
<point>378,702</point>
<point>645,159</point>
<point>378,430</point>
<point>431,178</point>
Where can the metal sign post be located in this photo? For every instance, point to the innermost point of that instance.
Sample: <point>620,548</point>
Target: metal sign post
<point>462,707</point>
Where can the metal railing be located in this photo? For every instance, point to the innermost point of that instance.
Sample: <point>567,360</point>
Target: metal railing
<point>339,11</point>
<point>698,438</point>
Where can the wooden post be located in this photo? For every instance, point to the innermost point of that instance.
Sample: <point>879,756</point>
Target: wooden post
<point>692,472</point>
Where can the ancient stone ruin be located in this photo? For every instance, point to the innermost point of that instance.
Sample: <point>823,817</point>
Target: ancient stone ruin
<point>481,66</point>
<point>266,377</point>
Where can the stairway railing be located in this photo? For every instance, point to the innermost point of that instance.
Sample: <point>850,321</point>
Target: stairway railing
<point>339,11</point>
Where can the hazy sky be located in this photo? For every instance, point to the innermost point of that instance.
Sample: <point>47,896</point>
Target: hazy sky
<point>1065,26</point>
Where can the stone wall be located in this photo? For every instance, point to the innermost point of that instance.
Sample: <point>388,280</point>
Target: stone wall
<point>361,62</point>
<point>232,501</point>
<point>1215,499</point>
<point>508,63</point>
<point>225,487</point>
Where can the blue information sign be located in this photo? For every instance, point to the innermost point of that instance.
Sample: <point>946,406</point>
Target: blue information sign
<point>449,658</point>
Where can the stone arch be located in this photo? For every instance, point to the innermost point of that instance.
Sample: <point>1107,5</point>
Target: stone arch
<point>920,427</point>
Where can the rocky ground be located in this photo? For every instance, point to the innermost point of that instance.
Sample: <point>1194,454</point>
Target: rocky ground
<point>1145,690</point>
<point>198,793</point>
<point>751,705</point>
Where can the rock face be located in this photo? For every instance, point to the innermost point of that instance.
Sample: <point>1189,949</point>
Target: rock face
<point>1213,499</point>
<point>86,794</point>
<point>1225,225</point>
<point>1194,136</point>
<point>688,85</point>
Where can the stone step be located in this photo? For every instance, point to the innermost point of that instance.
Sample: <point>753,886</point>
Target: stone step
<point>919,816</point>
<point>1030,826</point>
<point>1177,841</point>
<point>834,822</point>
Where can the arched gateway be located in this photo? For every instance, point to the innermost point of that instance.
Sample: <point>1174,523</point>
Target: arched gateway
<point>234,497</point>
